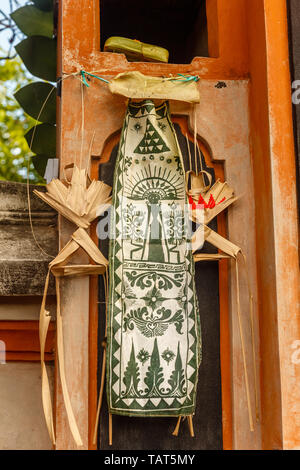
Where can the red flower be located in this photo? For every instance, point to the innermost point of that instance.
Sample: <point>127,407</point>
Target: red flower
<point>210,205</point>
<point>192,204</point>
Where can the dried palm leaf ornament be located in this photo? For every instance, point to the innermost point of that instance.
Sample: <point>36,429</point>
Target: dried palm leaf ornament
<point>80,202</point>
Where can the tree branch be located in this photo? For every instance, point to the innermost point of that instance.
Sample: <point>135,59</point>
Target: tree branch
<point>8,57</point>
<point>7,24</point>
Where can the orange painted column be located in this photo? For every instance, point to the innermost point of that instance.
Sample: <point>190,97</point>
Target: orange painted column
<point>283,180</point>
<point>265,253</point>
<point>276,221</point>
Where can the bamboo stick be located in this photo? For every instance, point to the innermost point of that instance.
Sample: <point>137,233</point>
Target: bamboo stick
<point>191,427</point>
<point>176,430</point>
<point>110,429</point>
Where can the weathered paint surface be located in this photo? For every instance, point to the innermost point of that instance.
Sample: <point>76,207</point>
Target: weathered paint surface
<point>81,48</point>
<point>24,266</point>
<point>276,221</point>
<point>283,179</point>
<point>266,279</point>
<point>22,425</point>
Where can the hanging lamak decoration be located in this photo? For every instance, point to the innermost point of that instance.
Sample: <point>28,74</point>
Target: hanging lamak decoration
<point>154,337</point>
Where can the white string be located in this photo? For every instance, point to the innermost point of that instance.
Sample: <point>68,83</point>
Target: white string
<point>189,152</point>
<point>27,178</point>
<point>82,123</point>
<point>75,75</point>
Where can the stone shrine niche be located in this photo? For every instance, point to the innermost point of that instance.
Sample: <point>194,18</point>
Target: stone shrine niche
<point>180,27</point>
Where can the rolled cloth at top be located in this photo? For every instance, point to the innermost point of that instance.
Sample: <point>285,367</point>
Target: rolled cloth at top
<point>138,86</point>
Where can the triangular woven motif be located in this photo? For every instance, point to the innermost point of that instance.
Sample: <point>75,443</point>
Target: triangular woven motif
<point>152,142</point>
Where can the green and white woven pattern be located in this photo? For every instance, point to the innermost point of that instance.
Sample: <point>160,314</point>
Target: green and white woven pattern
<point>154,339</point>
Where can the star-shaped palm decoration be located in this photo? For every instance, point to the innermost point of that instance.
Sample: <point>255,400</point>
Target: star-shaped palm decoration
<point>213,200</point>
<point>205,204</point>
<point>80,201</point>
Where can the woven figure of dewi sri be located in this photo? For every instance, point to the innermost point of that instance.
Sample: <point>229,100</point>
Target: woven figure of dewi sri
<point>154,337</point>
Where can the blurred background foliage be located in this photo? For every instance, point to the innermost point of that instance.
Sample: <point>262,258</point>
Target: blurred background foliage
<point>14,123</point>
<point>27,53</point>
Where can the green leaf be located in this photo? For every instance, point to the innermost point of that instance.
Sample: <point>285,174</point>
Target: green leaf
<point>39,56</point>
<point>33,22</point>
<point>32,98</point>
<point>14,153</point>
<point>40,162</point>
<point>45,5</point>
<point>41,139</point>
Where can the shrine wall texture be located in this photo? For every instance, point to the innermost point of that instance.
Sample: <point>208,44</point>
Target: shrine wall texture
<point>23,264</point>
<point>22,424</point>
<point>23,268</point>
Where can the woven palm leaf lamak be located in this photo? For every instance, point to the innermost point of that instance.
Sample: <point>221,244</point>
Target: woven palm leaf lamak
<point>154,337</point>
<point>80,201</point>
